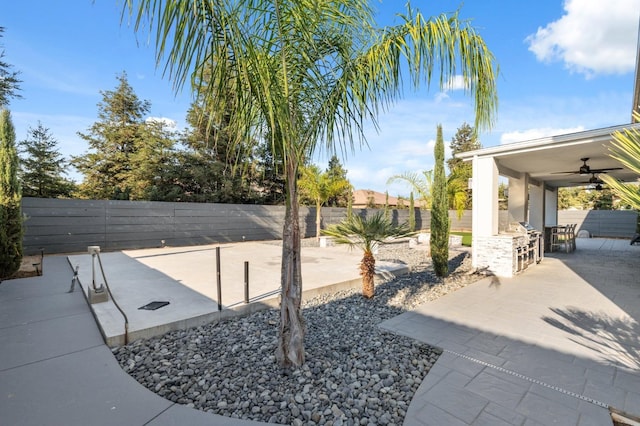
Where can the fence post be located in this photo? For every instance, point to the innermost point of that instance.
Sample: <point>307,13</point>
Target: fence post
<point>218,279</point>
<point>246,282</point>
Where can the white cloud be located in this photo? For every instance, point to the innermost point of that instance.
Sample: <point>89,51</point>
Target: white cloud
<point>456,82</point>
<point>168,123</point>
<point>592,37</point>
<point>530,134</point>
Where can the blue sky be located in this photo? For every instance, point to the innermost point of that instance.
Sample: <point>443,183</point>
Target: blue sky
<point>565,66</point>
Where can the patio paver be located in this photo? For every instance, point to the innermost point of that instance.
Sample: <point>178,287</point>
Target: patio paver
<point>550,346</point>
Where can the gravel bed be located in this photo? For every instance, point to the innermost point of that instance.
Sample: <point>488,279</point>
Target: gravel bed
<point>354,374</point>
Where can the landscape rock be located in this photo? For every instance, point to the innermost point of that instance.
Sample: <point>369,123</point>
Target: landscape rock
<point>355,372</point>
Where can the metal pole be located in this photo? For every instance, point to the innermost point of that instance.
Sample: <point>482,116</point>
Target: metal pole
<point>219,281</point>
<point>93,270</point>
<point>246,282</point>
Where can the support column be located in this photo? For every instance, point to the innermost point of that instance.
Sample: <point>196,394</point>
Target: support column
<point>485,200</point>
<point>536,206</point>
<point>519,198</point>
<point>550,206</point>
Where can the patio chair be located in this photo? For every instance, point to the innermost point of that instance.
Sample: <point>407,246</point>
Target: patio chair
<point>571,236</point>
<point>561,237</point>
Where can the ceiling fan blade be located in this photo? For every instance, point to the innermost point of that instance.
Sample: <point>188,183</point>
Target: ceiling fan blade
<point>605,170</point>
<point>573,172</point>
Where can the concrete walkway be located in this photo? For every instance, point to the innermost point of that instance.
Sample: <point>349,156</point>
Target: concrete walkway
<point>558,344</point>
<point>56,370</point>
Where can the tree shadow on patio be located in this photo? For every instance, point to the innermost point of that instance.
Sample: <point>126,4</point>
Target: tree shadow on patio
<point>615,338</point>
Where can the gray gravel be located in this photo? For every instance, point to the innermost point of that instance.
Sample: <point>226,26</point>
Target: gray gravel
<point>354,374</point>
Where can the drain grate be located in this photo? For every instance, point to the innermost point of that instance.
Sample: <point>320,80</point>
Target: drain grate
<point>154,305</point>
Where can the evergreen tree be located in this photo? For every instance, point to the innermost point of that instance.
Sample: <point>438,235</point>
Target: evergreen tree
<point>439,212</point>
<point>42,166</point>
<point>336,172</point>
<point>112,140</point>
<point>150,163</point>
<point>9,83</point>
<point>460,172</point>
<point>270,178</point>
<point>221,166</point>
<point>10,197</point>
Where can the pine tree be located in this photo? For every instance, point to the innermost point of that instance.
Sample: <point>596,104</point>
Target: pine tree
<point>42,166</point>
<point>9,82</point>
<point>337,173</point>
<point>460,172</point>
<point>10,197</point>
<point>221,168</point>
<point>440,212</point>
<point>112,140</point>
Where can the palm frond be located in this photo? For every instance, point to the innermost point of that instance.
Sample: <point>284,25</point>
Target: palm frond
<point>626,149</point>
<point>366,232</point>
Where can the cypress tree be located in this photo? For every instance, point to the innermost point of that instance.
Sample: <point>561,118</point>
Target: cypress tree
<point>440,212</point>
<point>10,197</point>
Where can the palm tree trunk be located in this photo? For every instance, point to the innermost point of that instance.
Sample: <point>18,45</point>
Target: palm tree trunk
<point>368,270</point>
<point>318,220</point>
<point>290,351</point>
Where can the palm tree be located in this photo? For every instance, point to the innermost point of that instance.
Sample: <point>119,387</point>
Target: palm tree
<point>626,149</point>
<point>366,234</point>
<point>420,183</point>
<point>308,74</point>
<point>319,187</point>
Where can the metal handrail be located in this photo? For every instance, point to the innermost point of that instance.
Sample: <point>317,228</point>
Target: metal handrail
<point>106,284</point>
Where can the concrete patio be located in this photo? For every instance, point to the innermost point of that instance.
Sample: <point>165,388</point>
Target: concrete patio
<point>186,277</point>
<point>557,344</point>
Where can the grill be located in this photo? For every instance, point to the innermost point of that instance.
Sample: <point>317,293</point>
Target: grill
<point>535,245</point>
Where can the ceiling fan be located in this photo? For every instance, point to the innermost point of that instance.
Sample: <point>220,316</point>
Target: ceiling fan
<point>594,181</point>
<point>585,169</point>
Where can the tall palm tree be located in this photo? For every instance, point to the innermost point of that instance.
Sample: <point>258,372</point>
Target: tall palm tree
<point>420,183</point>
<point>308,75</point>
<point>366,234</point>
<point>320,187</point>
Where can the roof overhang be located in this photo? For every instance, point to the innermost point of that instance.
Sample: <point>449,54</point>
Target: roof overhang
<point>543,159</point>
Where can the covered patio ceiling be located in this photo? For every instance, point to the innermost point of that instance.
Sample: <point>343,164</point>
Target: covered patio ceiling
<point>543,159</point>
